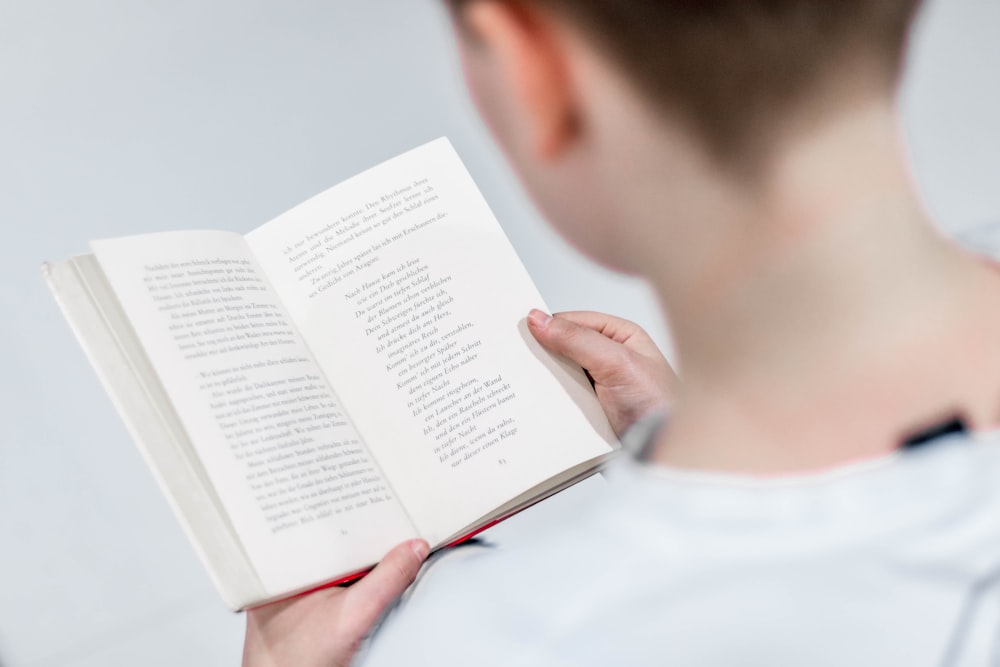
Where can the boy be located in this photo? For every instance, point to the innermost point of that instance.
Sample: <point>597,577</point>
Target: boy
<point>744,157</point>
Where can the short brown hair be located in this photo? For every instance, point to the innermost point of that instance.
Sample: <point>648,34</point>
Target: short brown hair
<point>728,65</point>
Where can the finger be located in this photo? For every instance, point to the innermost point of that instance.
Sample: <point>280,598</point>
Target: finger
<point>380,587</point>
<point>617,329</point>
<point>592,350</point>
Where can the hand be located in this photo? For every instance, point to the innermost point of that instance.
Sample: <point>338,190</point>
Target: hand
<point>325,628</point>
<point>631,376</point>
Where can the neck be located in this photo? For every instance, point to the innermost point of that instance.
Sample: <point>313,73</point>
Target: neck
<point>811,311</point>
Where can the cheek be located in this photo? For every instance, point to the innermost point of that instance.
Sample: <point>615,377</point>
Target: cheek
<point>573,211</point>
<point>471,75</point>
<point>482,83</point>
<point>588,229</point>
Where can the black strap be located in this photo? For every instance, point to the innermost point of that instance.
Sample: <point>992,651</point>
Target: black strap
<point>941,430</point>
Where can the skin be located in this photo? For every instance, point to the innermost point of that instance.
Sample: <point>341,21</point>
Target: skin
<point>630,374</point>
<point>325,628</point>
<point>818,317</point>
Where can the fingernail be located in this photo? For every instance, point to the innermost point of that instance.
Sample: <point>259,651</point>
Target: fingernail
<point>539,319</point>
<point>420,549</point>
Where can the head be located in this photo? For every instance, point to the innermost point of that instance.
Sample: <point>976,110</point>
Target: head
<point>589,96</point>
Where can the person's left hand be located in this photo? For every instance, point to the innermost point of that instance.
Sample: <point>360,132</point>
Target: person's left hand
<point>325,628</point>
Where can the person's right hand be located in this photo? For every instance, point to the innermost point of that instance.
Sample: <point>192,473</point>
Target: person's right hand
<point>631,376</point>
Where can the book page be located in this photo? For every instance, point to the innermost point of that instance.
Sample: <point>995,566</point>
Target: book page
<point>301,490</point>
<point>414,302</point>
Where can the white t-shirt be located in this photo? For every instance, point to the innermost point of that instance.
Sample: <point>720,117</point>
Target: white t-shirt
<point>890,562</point>
<point>894,562</point>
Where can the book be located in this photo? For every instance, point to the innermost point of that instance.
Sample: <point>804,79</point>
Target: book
<point>353,374</point>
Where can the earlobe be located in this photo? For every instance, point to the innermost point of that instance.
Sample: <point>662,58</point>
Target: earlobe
<point>530,55</point>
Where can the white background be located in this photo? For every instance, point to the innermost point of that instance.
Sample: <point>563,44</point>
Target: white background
<point>119,117</point>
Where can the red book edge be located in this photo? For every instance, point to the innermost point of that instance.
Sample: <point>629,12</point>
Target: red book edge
<point>358,575</point>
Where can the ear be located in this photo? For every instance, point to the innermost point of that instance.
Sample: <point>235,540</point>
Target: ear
<point>528,55</point>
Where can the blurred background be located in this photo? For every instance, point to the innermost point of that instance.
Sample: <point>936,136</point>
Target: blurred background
<point>126,116</point>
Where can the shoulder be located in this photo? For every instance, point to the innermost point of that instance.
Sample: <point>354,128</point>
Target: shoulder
<point>497,601</point>
<point>650,571</point>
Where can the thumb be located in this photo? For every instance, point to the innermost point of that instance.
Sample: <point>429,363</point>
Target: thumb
<point>587,347</point>
<point>380,587</point>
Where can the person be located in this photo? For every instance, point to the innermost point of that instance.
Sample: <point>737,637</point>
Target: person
<point>744,156</point>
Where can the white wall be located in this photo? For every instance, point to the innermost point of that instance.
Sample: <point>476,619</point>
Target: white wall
<point>119,117</point>
<point>951,111</point>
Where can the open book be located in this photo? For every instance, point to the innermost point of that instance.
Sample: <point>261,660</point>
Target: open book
<point>353,374</point>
